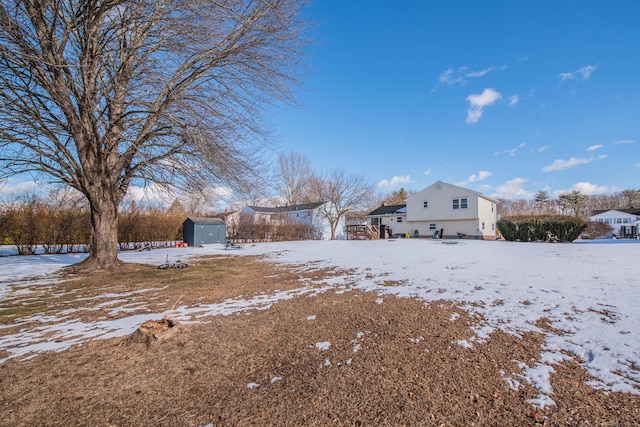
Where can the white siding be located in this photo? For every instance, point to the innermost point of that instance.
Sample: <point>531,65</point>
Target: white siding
<point>616,219</point>
<point>440,198</point>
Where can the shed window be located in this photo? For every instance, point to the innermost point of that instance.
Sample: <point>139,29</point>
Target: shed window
<point>432,226</point>
<point>425,204</point>
<point>399,219</point>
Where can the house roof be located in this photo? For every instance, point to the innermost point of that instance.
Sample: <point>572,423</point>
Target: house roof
<point>389,210</point>
<point>440,183</point>
<point>630,211</point>
<point>207,221</point>
<point>282,209</point>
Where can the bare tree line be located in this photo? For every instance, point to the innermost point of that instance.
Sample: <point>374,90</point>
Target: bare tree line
<point>48,225</point>
<point>572,203</point>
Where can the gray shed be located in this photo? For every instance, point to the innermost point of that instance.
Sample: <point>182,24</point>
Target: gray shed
<point>204,231</point>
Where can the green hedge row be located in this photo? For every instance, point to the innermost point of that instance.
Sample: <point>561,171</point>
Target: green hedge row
<point>541,228</point>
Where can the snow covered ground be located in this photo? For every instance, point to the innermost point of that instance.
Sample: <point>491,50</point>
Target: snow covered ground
<point>588,291</point>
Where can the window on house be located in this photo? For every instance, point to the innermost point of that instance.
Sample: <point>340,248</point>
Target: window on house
<point>425,204</point>
<point>460,203</point>
<point>399,219</point>
<point>483,225</point>
<point>493,227</point>
<point>432,226</point>
<point>618,220</point>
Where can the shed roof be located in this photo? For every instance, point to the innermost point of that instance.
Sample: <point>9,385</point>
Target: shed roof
<point>207,221</point>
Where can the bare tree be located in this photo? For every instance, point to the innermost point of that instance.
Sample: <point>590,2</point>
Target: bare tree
<point>295,177</point>
<point>597,229</point>
<point>99,94</point>
<point>631,198</point>
<point>343,193</point>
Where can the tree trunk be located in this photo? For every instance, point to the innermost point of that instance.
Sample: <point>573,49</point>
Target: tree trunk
<point>103,253</point>
<point>333,225</point>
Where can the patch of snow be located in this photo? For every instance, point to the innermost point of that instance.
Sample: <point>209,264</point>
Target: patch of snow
<point>464,343</point>
<point>542,401</point>
<point>324,345</point>
<point>252,385</point>
<point>539,376</point>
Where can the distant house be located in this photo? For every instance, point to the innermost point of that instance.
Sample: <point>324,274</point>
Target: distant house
<point>204,231</point>
<point>306,214</point>
<point>447,209</point>
<point>625,222</point>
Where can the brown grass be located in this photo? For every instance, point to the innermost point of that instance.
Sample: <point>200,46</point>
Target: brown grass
<point>407,370</point>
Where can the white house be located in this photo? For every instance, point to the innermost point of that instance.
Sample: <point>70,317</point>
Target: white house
<point>447,209</point>
<point>307,213</point>
<point>625,222</point>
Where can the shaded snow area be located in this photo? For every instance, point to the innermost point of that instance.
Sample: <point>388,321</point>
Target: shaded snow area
<point>587,294</point>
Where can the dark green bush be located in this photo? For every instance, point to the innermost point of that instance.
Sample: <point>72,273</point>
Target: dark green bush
<point>541,228</point>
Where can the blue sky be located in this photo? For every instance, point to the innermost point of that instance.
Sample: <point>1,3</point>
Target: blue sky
<point>503,97</point>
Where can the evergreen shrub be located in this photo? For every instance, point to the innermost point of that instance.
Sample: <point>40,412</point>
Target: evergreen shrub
<point>540,228</point>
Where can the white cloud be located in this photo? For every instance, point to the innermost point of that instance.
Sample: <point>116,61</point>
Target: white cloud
<point>566,76</point>
<point>581,74</point>
<point>427,172</point>
<point>477,103</point>
<point>602,156</point>
<point>461,75</point>
<point>595,147</point>
<point>624,141</point>
<point>637,165</point>
<point>513,190</point>
<point>543,148</point>
<point>560,165</point>
<point>393,183</point>
<point>475,178</point>
<point>15,187</point>
<point>589,188</point>
<point>586,71</point>
<point>511,151</point>
<point>451,77</point>
<point>513,100</point>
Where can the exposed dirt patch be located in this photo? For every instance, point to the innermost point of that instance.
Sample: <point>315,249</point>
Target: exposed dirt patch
<point>337,358</point>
